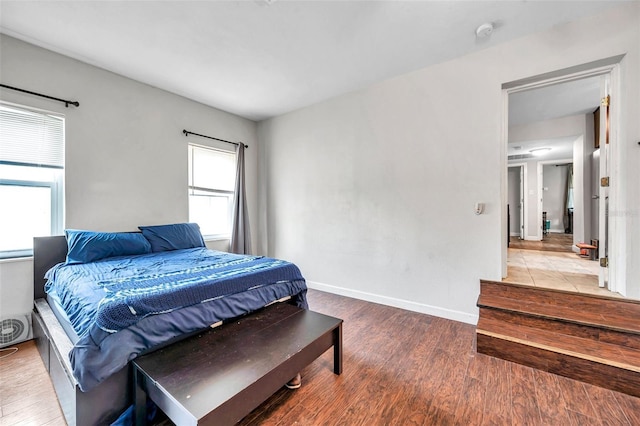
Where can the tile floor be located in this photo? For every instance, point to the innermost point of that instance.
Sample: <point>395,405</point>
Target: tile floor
<point>558,270</point>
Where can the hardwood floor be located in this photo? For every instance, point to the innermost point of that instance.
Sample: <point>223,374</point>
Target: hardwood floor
<point>400,368</point>
<point>26,393</point>
<point>550,242</point>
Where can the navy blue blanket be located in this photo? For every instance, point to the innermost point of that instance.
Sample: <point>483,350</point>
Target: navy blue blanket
<point>121,307</point>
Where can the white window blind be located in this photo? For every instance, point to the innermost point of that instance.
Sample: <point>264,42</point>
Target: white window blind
<point>212,168</point>
<point>31,177</point>
<point>31,138</point>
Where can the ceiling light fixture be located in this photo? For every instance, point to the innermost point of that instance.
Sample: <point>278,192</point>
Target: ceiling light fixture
<point>539,151</point>
<point>484,30</point>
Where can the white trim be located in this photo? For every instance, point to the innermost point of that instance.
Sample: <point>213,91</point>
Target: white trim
<point>16,259</point>
<point>617,234</point>
<point>577,72</point>
<point>560,161</point>
<point>221,237</point>
<point>539,207</point>
<point>504,182</point>
<point>525,188</point>
<point>603,192</point>
<point>34,109</point>
<point>396,303</point>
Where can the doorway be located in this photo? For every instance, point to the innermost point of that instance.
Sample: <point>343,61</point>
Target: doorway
<point>558,200</point>
<point>558,118</point>
<point>516,207</point>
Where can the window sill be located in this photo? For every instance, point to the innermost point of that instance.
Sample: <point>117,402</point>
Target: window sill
<point>15,259</point>
<point>216,238</point>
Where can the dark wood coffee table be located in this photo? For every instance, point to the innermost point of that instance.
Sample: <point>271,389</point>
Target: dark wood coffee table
<point>222,374</point>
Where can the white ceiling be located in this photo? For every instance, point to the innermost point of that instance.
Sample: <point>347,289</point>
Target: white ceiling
<point>546,103</point>
<point>560,100</point>
<point>260,58</point>
<point>560,149</point>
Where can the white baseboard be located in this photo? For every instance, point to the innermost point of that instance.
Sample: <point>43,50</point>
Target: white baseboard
<point>396,303</point>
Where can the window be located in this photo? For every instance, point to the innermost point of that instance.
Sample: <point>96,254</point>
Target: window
<point>212,178</point>
<point>31,177</point>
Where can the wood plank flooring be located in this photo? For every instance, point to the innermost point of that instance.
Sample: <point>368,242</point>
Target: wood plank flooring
<point>400,368</point>
<point>26,393</point>
<point>550,242</point>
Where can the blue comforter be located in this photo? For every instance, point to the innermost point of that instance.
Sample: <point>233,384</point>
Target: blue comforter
<point>121,307</point>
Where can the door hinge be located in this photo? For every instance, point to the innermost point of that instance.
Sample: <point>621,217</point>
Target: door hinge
<point>605,101</point>
<point>604,262</point>
<point>604,182</point>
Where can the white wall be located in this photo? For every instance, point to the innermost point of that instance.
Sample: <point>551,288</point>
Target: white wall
<point>126,156</point>
<point>372,193</point>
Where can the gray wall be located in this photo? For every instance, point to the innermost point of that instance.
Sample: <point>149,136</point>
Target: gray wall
<point>554,182</point>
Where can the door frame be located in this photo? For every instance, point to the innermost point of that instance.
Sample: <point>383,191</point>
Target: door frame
<point>523,187</point>
<point>601,67</point>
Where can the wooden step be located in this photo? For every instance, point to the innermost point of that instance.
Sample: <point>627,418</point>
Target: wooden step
<point>595,339</point>
<point>607,312</point>
<point>552,361</point>
<point>581,347</point>
<point>553,324</point>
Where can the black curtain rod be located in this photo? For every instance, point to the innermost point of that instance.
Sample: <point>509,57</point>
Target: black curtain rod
<point>187,133</point>
<point>64,101</point>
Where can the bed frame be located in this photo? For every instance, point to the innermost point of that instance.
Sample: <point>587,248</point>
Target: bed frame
<point>104,403</point>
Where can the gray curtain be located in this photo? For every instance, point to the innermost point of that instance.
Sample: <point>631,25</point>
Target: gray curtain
<point>240,235</point>
<point>568,200</point>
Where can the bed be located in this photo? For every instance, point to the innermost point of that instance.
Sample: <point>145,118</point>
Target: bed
<point>88,341</point>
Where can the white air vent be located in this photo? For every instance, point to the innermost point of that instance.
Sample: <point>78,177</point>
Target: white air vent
<point>14,330</point>
<point>520,156</point>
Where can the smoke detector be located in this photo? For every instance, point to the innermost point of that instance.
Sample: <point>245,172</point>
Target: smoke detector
<point>484,30</point>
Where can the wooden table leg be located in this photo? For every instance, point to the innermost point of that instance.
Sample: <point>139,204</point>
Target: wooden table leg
<point>337,350</point>
<point>140,401</point>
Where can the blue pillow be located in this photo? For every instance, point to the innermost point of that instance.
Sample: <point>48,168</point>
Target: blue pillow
<point>173,237</point>
<point>89,246</point>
